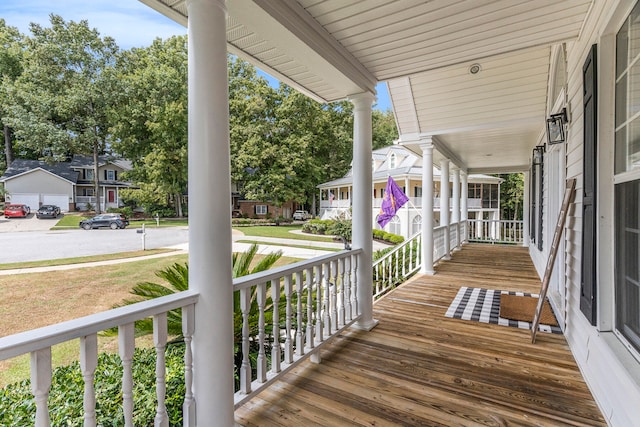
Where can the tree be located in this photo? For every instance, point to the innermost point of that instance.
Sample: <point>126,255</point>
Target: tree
<point>384,128</point>
<point>11,49</point>
<point>59,103</point>
<point>149,120</point>
<point>511,195</point>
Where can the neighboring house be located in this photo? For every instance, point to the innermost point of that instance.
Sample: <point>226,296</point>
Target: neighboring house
<point>405,167</point>
<point>258,208</point>
<point>68,185</point>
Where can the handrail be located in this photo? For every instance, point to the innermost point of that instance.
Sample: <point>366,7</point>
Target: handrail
<point>36,339</point>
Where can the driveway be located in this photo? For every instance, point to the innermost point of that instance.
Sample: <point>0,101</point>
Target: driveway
<point>30,223</point>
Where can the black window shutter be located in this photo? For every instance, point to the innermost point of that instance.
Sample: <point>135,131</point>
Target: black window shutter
<point>540,201</point>
<point>105,174</point>
<point>588,284</point>
<point>115,175</point>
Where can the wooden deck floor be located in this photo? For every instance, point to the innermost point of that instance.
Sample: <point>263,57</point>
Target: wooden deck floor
<point>419,368</point>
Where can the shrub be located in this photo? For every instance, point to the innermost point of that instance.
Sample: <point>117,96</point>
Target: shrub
<point>17,406</point>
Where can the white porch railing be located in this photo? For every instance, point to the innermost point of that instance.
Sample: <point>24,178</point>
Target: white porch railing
<point>344,203</point>
<point>397,265</point>
<point>298,308</point>
<point>496,231</point>
<point>309,302</point>
<point>38,343</point>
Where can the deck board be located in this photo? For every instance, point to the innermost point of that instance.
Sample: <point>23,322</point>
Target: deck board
<point>419,368</point>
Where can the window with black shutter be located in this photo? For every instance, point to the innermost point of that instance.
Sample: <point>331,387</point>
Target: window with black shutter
<point>588,283</point>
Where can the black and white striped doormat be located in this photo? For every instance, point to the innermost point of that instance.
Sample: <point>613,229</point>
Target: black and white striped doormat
<point>483,305</point>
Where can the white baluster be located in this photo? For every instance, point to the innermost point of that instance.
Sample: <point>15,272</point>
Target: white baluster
<point>319,300</point>
<point>326,300</point>
<point>334,297</point>
<point>126,347</point>
<point>310,316</point>
<point>341,309</point>
<point>261,294</point>
<point>275,348</point>
<point>160,343</point>
<point>245,368</point>
<point>288,342</point>
<point>404,259</point>
<point>354,286</point>
<point>397,271</point>
<point>88,364</point>
<point>299,326</point>
<point>40,384</point>
<point>189,405</point>
<point>347,288</point>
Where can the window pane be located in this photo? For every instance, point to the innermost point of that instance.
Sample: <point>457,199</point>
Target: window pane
<point>634,89</point>
<point>621,101</point>
<point>627,204</point>
<point>634,33</point>
<point>622,43</point>
<point>633,147</point>
<point>621,150</point>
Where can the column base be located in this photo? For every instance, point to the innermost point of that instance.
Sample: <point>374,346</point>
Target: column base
<point>431,272</point>
<point>365,326</point>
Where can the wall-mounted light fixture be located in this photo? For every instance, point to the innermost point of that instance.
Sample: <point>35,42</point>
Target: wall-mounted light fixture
<point>555,127</point>
<point>538,155</point>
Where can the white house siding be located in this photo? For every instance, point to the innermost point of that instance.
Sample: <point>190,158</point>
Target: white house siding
<point>44,182</point>
<point>611,370</point>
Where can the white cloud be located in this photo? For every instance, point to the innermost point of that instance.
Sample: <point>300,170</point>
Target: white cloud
<point>129,22</point>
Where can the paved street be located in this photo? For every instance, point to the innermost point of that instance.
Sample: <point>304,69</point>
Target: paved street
<point>53,244</point>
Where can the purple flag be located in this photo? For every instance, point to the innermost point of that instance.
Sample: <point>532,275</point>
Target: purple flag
<point>392,201</point>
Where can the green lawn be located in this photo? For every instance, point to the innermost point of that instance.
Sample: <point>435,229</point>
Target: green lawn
<point>281,231</point>
<point>82,260</point>
<point>35,300</point>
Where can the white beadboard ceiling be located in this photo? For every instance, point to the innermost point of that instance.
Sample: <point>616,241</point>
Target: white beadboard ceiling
<point>330,49</point>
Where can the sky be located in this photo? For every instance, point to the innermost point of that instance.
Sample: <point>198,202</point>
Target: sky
<point>129,22</point>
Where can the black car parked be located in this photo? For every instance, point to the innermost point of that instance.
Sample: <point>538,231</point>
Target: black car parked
<point>48,211</point>
<point>112,221</point>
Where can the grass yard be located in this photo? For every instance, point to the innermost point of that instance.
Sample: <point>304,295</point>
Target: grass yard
<point>281,231</point>
<point>34,300</point>
<point>84,259</point>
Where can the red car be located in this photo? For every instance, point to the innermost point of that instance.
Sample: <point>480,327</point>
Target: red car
<point>16,211</point>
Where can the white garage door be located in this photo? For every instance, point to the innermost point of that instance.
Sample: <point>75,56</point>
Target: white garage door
<point>60,200</point>
<point>30,199</point>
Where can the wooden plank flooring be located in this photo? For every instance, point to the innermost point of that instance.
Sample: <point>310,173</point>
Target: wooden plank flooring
<point>419,368</point>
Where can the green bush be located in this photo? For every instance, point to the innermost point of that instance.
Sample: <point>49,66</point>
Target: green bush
<point>17,405</point>
<point>126,211</point>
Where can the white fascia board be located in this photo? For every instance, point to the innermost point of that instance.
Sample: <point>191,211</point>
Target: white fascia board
<point>167,11</point>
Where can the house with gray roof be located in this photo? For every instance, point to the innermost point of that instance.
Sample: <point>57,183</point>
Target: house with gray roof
<point>69,185</point>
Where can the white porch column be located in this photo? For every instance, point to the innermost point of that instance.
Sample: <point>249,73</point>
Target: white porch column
<point>407,208</point>
<point>427,208</point>
<point>362,222</point>
<point>464,206</point>
<point>455,214</point>
<point>444,204</point>
<point>525,209</point>
<point>210,244</point>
